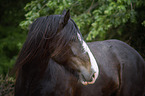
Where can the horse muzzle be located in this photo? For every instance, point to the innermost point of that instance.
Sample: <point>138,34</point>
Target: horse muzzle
<point>88,77</point>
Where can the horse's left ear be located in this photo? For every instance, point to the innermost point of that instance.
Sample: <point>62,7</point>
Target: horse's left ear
<point>64,18</point>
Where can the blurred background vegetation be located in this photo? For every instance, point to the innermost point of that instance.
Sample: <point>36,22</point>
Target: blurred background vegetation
<point>96,19</point>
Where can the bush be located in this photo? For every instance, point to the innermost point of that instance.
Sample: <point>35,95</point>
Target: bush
<point>6,86</point>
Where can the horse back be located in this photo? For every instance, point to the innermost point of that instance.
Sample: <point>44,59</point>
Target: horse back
<point>122,69</point>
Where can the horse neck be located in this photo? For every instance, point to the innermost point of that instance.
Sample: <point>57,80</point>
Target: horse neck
<point>58,80</point>
<point>51,78</point>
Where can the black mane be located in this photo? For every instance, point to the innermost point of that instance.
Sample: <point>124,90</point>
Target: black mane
<point>44,33</point>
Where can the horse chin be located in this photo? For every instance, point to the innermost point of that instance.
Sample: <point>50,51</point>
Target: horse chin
<point>84,82</point>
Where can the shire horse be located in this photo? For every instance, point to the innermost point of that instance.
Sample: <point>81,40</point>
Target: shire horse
<point>56,61</point>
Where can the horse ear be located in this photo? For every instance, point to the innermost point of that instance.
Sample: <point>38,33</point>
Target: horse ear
<point>66,15</point>
<point>64,18</point>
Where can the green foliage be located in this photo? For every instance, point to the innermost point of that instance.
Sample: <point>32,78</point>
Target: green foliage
<point>6,86</point>
<point>110,14</point>
<point>11,34</point>
<point>98,19</point>
<point>143,23</point>
<point>10,44</point>
<point>94,18</point>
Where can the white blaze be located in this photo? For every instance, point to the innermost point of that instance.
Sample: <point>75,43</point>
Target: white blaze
<point>94,64</point>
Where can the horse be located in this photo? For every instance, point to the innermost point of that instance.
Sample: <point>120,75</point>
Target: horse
<point>121,73</point>
<point>55,37</point>
<point>56,61</point>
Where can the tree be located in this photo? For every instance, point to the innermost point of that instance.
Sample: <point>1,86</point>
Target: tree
<point>98,19</point>
<point>11,34</point>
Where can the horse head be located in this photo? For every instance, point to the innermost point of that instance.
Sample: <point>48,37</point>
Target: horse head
<point>58,37</point>
<point>75,54</point>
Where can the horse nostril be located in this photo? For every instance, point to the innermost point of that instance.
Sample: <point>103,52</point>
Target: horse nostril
<point>93,75</point>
